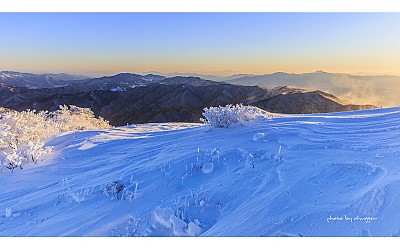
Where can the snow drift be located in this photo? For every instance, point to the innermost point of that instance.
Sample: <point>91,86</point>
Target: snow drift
<point>332,174</point>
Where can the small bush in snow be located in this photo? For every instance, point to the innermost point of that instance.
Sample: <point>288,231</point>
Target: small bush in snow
<point>230,115</point>
<point>8,212</point>
<point>71,118</point>
<point>13,159</point>
<point>119,191</point>
<point>23,134</point>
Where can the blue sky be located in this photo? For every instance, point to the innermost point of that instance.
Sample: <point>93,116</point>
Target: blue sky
<point>217,43</point>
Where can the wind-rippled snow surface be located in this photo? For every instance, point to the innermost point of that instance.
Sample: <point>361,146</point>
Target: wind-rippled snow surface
<point>313,175</point>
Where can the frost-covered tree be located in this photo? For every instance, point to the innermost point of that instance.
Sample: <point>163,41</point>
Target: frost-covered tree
<point>231,115</point>
<point>23,134</point>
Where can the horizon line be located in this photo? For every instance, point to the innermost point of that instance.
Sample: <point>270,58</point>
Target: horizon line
<point>95,74</point>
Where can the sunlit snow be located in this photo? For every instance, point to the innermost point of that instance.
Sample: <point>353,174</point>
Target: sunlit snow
<point>332,174</point>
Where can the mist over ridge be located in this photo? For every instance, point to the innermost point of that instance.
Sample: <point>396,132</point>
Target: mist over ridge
<point>375,89</point>
<point>378,90</point>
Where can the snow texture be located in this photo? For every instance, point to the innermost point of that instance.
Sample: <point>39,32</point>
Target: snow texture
<point>332,174</point>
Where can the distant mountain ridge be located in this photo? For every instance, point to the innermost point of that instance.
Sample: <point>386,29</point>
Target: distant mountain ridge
<point>36,81</point>
<point>118,82</point>
<point>152,98</point>
<point>380,90</point>
<point>305,79</point>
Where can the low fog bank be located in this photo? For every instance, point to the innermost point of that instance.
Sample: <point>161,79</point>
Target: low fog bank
<point>376,90</point>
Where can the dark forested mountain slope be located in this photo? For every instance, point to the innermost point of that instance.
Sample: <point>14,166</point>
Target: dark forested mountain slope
<point>171,100</point>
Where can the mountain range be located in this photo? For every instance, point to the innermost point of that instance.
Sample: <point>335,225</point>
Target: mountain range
<point>131,98</point>
<point>35,81</point>
<point>379,90</point>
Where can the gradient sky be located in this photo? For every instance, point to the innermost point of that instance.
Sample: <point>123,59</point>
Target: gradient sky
<point>213,43</point>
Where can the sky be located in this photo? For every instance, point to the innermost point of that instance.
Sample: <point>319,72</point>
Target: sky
<point>208,43</point>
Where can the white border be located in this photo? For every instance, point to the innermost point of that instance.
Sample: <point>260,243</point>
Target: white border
<point>199,6</point>
<point>200,243</point>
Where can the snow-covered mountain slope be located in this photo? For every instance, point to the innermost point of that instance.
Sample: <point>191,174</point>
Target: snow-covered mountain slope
<point>38,81</point>
<point>332,174</point>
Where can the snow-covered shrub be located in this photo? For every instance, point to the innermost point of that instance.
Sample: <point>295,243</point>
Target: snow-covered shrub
<point>230,115</point>
<point>119,191</point>
<point>23,134</point>
<point>75,195</point>
<point>75,118</point>
<point>36,151</point>
<point>9,212</point>
<point>13,159</point>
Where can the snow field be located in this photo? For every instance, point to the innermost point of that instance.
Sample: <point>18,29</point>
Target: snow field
<point>302,175</point>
